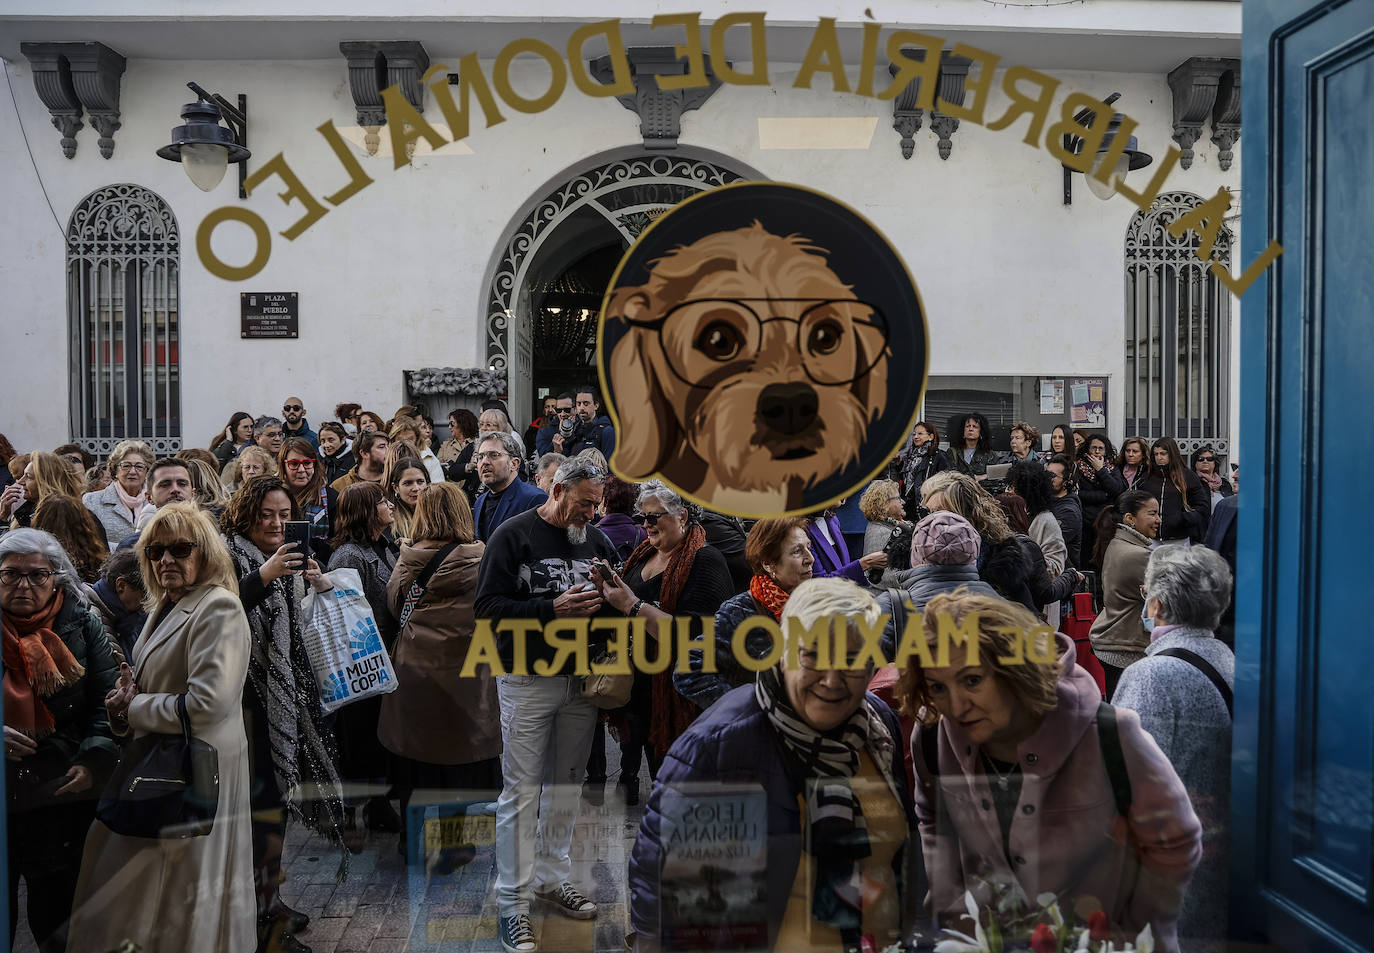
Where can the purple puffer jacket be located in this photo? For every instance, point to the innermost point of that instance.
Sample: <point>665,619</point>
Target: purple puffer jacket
<point>1066,837</point>
<point>623,532</point>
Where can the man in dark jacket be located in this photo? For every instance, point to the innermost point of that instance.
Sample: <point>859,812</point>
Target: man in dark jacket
<point>593,428</point>
<point>117,597</point>
<point>294,423</point>
<point>561,424</point>
<point>1067,508</point>
<point>498,462</point>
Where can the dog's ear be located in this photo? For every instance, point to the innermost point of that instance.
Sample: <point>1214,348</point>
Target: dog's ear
<point>630,304</point>
<point>647,425</point>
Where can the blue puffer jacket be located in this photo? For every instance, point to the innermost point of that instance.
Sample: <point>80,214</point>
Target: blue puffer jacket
<point>734,743</point>
<point>923,583</point>
<point>704,689</point>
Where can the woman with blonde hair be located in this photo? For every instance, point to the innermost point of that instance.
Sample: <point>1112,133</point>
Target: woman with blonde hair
<point>252,462</point>
<point>888,530</point>
<point>210,492</point>
<point>120,504</point>
<point>1023,772</point>
<point>192,657</point>
<point>45,474</point>
<point>443,727</point>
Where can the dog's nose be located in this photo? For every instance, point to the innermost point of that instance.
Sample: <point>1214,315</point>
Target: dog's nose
<point>787,408</point>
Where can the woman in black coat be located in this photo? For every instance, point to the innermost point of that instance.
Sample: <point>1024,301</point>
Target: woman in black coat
<point>1099,484</point>
<point>1185,505</point>
<point>919,459</point>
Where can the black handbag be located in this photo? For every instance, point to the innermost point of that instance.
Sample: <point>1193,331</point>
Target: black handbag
<point>164,786</point>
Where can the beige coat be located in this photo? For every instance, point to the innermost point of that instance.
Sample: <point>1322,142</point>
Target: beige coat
<point>171,896</point>
<point>435,716</point>
<point>1117,627</point>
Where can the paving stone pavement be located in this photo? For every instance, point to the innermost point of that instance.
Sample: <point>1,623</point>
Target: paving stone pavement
<point>383,907</point>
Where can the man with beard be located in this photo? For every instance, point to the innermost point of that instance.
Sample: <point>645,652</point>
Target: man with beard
<point>537,567</point>
<point>295,424</point>
<point>498,463</point>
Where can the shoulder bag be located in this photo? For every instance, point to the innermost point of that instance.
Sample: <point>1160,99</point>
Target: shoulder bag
<point>421,583</point>
<point>164,786</point>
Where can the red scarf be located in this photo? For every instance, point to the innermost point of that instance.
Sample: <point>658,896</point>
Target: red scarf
<point>768,594</point>
<point>1213,480</point>
<point>37,665</point>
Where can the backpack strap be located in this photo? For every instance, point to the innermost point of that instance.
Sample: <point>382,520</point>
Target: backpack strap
<point>898,598</point>
<point>1205,667</point>
<point>1110,741</point>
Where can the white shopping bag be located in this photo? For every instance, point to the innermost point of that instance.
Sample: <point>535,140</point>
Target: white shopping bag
<point>343,643</point>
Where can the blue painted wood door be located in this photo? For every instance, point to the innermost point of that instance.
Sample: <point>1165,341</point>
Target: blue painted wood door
<point>1303,789</point>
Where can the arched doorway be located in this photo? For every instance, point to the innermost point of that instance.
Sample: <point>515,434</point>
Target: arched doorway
<point>553,264</point>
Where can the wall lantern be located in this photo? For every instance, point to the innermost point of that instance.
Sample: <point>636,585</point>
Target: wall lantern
<point>1131,157</point>
<point>204,147</point>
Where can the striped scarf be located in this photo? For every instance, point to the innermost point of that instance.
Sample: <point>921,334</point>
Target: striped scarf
<point>302,747</point>
<point>837,835</point>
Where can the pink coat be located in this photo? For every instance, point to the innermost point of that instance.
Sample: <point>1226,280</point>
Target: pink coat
<point>1066,837</point>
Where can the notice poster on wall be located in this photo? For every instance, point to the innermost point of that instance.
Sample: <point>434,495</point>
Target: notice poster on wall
<point>1052,396</point>
<point>1088,402</point>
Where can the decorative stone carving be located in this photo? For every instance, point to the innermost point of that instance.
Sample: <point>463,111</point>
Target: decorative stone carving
<point>52,79</point>
<point>1226,114</point>
<point>1194,82</point>
<point>375,65</point>
<point>906,117</point>
<point>953,73</point>
<point>660,111</point>
<point>96,72</point>
<point>70,76</point>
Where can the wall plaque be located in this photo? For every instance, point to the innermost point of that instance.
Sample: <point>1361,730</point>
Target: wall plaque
<point>270,314</point>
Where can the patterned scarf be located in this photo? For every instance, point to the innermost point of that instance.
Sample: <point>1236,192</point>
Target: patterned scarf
<point>825,763</point>
<point>37,665</point>
<point>671,713</point>
<point>913,464</point>
<point>1213,480</point>
<point>768,594</point>
<point>302,747</point>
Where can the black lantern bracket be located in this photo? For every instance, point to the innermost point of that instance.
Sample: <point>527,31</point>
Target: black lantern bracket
<point>1074,144</point>
<point>202,126</point>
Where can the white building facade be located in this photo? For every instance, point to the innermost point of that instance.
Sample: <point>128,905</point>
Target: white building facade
<point>472,256</point>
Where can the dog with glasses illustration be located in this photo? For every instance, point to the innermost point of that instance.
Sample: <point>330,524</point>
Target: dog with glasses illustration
<point>747,371</point>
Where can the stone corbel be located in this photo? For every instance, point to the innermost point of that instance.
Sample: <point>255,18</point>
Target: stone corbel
<point>96,72</point>
<point>953,73</point>
<point>375,65</point>
<point>1195,84</point>
<point>660,111</point>
<point>906,116</point>
<point>52,79</point>
<point>1226,114</point>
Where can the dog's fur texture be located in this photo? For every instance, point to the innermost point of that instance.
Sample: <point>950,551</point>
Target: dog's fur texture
<point>709,440</point>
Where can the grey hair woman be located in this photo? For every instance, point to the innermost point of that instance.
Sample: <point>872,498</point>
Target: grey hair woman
<point>120,504</point>
<point>672,573</point>
<point>58,744</point>
<point>1182,691</point>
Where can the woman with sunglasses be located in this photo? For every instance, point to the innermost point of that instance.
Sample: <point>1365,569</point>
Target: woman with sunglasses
<point>360,543</point>
<point>303,473</point>
<point>1205,464</point>
<point>195,893</point>
<point>672,573</point>
<point>835,816</point>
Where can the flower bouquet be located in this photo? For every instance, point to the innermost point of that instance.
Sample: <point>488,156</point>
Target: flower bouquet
<point>1007,926</point>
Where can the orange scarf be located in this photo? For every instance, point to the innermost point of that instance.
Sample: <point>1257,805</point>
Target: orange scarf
<point>769,594</point>
<point>37,664</point>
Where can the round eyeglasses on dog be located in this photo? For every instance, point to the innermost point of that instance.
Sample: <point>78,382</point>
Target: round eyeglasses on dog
<point>706,339</point>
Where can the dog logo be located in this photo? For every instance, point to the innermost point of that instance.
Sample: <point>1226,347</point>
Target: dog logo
<point>762,349</point>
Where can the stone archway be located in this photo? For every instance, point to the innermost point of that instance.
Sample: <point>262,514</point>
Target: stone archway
<point>619,193</point>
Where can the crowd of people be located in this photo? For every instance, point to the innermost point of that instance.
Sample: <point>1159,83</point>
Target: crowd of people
<point>143,591</point>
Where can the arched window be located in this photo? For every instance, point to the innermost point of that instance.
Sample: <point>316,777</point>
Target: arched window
<point>1178,330</point>
<point>122,292</point>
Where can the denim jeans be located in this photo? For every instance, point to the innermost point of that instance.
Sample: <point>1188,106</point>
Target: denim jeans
<point>546,731</point>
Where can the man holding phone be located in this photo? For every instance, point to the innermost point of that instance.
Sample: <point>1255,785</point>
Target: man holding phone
<point>537,566</point>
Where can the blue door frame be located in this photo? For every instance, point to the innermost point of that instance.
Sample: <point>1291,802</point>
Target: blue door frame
<point>1303,770</point>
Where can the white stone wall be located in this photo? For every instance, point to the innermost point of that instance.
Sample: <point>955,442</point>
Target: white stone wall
<point>1014,282</point>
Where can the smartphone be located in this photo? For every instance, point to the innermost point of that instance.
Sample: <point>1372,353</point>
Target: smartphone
<point>298,532</point>
<point>604,568</point>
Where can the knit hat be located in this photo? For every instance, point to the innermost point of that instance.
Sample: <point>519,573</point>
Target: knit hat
<point>945,539</point>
